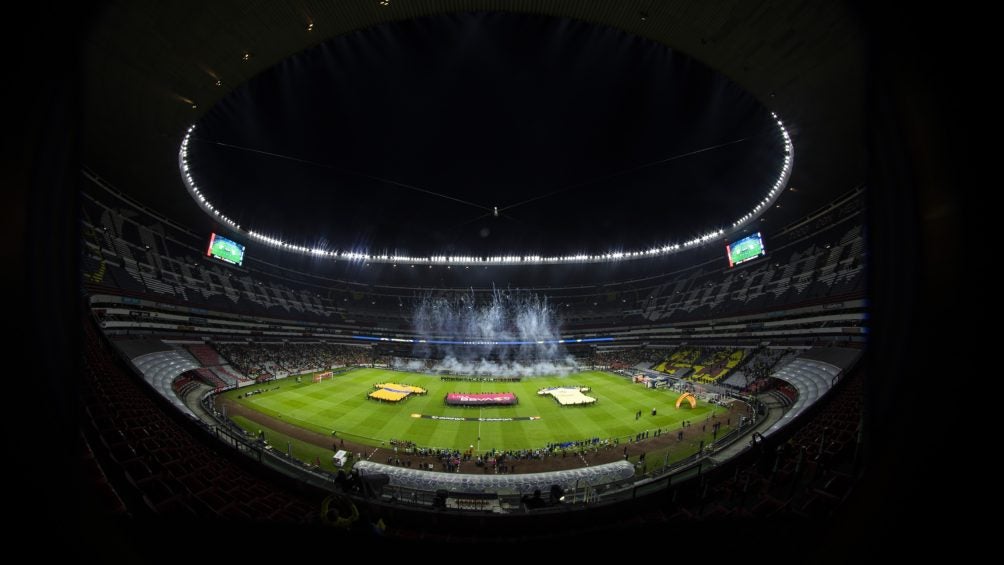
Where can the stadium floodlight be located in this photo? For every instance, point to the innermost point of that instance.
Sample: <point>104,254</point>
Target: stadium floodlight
<point>530,258</point>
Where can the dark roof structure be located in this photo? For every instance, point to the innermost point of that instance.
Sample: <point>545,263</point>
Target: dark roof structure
<point>244,72</point>
<point>113,88</point>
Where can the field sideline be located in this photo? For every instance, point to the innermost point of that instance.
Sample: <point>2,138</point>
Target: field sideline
<point>340,405</point>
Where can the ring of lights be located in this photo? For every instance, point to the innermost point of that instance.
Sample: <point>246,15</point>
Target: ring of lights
<point>529,258</point>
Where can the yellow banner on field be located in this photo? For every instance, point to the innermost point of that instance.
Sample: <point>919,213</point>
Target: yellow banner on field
<point>388,395</point>
<point>396,386</point>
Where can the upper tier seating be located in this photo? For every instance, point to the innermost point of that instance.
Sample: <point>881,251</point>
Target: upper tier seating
<point>130,252</point>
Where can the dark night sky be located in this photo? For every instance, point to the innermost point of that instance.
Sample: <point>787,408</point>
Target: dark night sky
<point>492,109</point>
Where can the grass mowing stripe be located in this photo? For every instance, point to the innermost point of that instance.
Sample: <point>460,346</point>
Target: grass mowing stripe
<point>341,404</point>
<point>303,451</point>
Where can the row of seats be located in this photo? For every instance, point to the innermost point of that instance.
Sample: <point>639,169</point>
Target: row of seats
<point>282,359</point>
<point>811,378</point>
<point>158,465</point>
<point>628,358</point>
<point>516,484</point>
<point>161,368</point>
<point>808,476</point>
<point>123,255</point>
<point>754,375</point>
<point>709,365</point>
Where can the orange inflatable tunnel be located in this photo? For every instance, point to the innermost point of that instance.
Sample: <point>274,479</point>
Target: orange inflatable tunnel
<point>689,398</point>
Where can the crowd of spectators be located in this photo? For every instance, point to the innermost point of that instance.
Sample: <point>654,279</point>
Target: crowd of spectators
<point>493,460</point>
<point>758,370</point>
<point>282,359</point>
<point>628,358</point>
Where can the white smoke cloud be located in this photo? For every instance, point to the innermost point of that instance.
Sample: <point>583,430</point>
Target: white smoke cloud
<point>484,367</point>
<point>412,365</point>
<point>486,323</point>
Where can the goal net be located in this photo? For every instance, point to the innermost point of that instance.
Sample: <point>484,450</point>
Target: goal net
<point>322,376</point>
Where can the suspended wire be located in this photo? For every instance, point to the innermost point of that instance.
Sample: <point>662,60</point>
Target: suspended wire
<point>350,171</point>
<point>600,179</point>
<point>473,204</point>
<point>623,172</point>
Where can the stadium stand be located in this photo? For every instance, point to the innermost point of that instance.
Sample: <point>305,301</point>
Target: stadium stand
<point>716,364</point>
<point>284,359</point>
<point>210,378</point>
<point>184,385</point>
<point>160,369</point>
<point>821,261</point>
<point>753,373</point>
<point>218,365</point>
<point>132,348</point>
<point>522,483</point>
<point>157,465</point>
<point>147,277</point>
<point>807,475</point>
<point>229,376</point>
<point>206,355</point>
<point>812,378</point>
<point>160,364</point>
<point>641,358</point>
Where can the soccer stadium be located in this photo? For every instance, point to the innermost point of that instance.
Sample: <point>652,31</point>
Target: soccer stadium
<point>469,271</point>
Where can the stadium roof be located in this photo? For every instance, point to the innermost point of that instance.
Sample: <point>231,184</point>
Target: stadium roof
<point>151,71</point>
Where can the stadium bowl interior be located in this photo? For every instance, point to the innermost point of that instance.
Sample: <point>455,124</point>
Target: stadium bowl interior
<point>456,272</point>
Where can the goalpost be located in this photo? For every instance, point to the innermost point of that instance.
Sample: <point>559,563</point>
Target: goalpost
<point>322,376</point>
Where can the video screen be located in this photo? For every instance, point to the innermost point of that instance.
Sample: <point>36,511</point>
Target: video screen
<point>746,249</point>
<point>225,249</point>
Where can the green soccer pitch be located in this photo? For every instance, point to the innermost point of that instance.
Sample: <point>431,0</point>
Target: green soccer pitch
<point>340,405</point>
